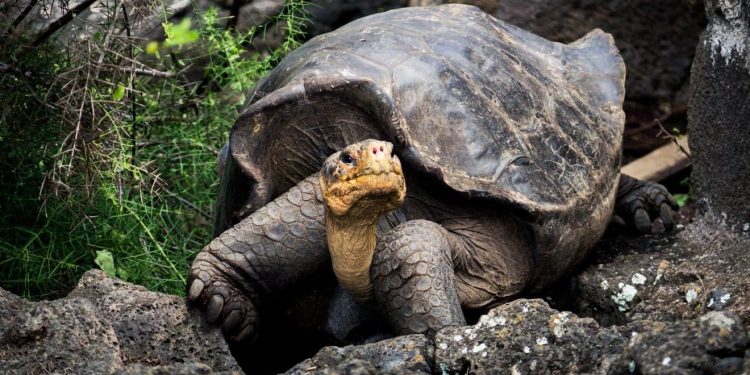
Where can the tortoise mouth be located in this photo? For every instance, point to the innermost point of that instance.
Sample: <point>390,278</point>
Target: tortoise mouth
<point>364,179</point>
<point>366,195</point>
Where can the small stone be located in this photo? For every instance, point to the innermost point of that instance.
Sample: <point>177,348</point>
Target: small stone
<point>479,348</point>
<point>691,296</point>
<point>638,279</point>
<point>526,349</point>
<point>719,299</point>
<point>666,361</point>
<point>541,341</point>
<point>625,296</point>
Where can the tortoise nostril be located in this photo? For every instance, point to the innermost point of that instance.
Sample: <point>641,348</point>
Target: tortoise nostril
<point>381,148</point>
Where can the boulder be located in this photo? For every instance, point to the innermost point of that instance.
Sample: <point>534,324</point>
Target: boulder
<point>411,354</point>
<point>527,336</point>
<point>682,276</point>
<point>719,114</point>
<point>108,325</point>
<point>713,344</point>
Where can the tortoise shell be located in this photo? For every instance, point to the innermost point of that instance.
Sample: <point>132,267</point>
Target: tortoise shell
<point>486,108</point>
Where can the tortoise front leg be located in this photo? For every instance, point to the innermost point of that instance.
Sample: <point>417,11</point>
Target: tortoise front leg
<point>270,251</point>
<point>413,278</point>
<point>638,202</point>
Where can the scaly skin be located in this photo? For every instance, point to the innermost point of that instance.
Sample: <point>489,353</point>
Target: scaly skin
<point>440,255</point>
<point>270,251</point>
<point>413,276</point>
<point>640,202</point>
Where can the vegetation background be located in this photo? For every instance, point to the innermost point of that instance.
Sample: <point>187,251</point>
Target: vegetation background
<point>109,142</point>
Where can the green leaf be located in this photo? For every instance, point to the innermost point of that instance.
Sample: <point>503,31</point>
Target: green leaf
<point>106,262</point>
<point>179,34</point>
<point>122,274</point>
<point>681,199</point>
<point>152,47</point>
<point>119,92</point>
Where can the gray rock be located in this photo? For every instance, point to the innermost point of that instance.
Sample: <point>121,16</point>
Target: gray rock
<point>401,355</point>
<point>105,325</point>
<point>55,336</point>
<point>719,298</point>
<point>719,114</point>
<point>714,343</point>
<point>682,273</point>
<point>527,336</point>
<point>174,369</point>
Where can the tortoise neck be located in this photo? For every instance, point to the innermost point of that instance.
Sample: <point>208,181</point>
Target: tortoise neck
<point>351,242</point>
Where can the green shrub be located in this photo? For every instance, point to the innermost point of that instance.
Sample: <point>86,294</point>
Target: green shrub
<point>103,167</point>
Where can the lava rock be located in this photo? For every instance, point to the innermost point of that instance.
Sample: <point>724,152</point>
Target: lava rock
<point>55,336</point>
<point>714,343</point>
<point>527,336</point>
<point>687,274</point>
<point>104,325</point>
<point>719,299</point>
<point>719,114</point>
<point>401,355</point>
<point>173,369</point>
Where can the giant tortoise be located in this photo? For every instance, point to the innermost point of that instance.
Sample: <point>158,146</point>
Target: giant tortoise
<point>511,149</point>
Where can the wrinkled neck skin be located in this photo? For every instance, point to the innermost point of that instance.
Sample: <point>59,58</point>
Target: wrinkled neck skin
<point>351,242</point>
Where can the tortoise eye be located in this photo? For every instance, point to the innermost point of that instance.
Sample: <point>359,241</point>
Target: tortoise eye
<point>346,159</point>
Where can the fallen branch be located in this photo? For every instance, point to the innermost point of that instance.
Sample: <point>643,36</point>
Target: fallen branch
<point>662,162</point>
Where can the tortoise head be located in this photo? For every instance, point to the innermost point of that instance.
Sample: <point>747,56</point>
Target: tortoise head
<point>364,180</point>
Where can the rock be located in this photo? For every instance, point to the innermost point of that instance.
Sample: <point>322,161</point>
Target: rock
<point>714,343</point>
<point>105,325</point>
<point>527,336</point>
<point>719,114</point>
<point>687,274</point>
<point>401,355</point>
<point>173,369</point>
<point>55,336</point>
<point>719,299</point>
<point>623,270</point>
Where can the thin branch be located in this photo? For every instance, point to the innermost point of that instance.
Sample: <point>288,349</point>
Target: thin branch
<point>133,126</point>
<point>152,72</point>
<point>62,21</point>
<point>671,137</point>
<point>107,37</point>
<point>188,204</point>
<point>21,16</point>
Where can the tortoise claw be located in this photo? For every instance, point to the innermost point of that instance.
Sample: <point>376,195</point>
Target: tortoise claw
<point>232,321</point>
<point>667,216</point>
<point>642,221</point>
<point>641,202</point>
<point>196,288</point>
<point>213,311</point>
<point>246,332</point>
